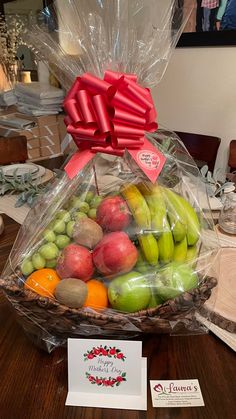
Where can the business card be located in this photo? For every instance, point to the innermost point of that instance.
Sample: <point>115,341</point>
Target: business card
<point>176,393</point>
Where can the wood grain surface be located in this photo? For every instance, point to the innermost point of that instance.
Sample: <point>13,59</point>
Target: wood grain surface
<point>33,384</point>
<point>221,306</point>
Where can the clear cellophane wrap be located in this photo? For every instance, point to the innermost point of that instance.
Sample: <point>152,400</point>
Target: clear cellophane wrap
<point>108,251</point>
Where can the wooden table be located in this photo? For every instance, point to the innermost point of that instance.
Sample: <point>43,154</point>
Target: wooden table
<point>33,384</point>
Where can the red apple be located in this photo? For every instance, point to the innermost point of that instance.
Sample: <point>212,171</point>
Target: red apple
<point>75,262</point>
<point>113,214</point>
<point>115,253</point>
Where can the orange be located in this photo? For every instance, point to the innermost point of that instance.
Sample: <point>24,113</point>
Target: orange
<point>97,295</point>
<point>43,281</point>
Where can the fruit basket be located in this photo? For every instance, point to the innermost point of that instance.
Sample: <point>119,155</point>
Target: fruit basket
<point>50,323</point>
<point>176,281</point>
<point>117,245</point>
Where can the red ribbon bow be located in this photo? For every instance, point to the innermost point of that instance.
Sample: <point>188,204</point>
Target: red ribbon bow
<point>109,116</point>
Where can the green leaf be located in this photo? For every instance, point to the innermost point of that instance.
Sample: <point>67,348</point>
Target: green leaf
<point>19,202</point>
<point>31,199</point>
<point>23,196</point>
<point>204,170</point>
<point>15,174</point>
<point>27,177</point>
<point>5,188</point>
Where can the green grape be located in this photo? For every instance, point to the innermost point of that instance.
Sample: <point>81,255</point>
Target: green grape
<point>83,207</point>
<point>49,251</point>
<point>49,235</point>
<point>89,196</point>
<point>51,263</point>
<point>59,226</point>
<point>62,241</point>
<point>38,261</point>
<point>27,267</point>
<point>78,215</point>
<point>92,213</point>
<point>63,215</point>
<point>70,228</point>
<point>74,202</point>
<point>96,201</point>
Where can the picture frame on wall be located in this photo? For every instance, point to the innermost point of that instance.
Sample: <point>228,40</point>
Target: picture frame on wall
<point>211,23</point>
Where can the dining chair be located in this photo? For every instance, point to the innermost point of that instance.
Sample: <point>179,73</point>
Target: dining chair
<point>203,148</point>
<point>232,155</point>
<point>13,150</point>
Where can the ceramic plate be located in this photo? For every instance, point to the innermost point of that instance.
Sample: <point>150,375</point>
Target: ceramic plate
<point>21,169</point>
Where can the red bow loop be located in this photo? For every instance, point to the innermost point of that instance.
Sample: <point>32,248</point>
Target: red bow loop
<point>111,116</point>
<point>114,112</point>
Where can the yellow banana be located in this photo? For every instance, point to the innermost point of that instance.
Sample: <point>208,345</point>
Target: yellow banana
<point>185,213</point>
<point>193,225</point>
<point>180,251</point>
<point>192,253</point>
<point>137,205</point>
<point>176,215</point>
<point>149,248</point>
<point>155,200</point>
<point>166,245</point>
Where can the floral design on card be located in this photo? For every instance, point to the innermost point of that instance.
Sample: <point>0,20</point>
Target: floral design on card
<point>107,382</point>
<point>103,359</point>
<point>108,351</point>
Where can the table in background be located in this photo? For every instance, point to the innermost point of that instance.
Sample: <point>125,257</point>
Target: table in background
<point>33,384</point>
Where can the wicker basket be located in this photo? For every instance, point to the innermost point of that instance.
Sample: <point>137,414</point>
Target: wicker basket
<point>46,315</point>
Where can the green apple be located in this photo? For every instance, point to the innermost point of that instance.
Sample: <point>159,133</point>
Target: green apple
<point>129,292</point>
<point>174,279</point>
<point>154,301</point>
<point>141,265</point>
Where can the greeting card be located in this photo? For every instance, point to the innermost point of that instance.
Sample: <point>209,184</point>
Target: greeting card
<point>108,368</point>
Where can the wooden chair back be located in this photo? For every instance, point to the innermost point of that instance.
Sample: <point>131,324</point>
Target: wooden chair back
<point>13,150</point>
<point>232,155</point>
<point>203,148</point>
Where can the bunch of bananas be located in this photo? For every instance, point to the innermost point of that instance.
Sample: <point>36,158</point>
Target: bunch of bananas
<point>169,226</point>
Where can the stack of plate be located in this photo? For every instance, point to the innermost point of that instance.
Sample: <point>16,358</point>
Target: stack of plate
<point>19,170</point>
